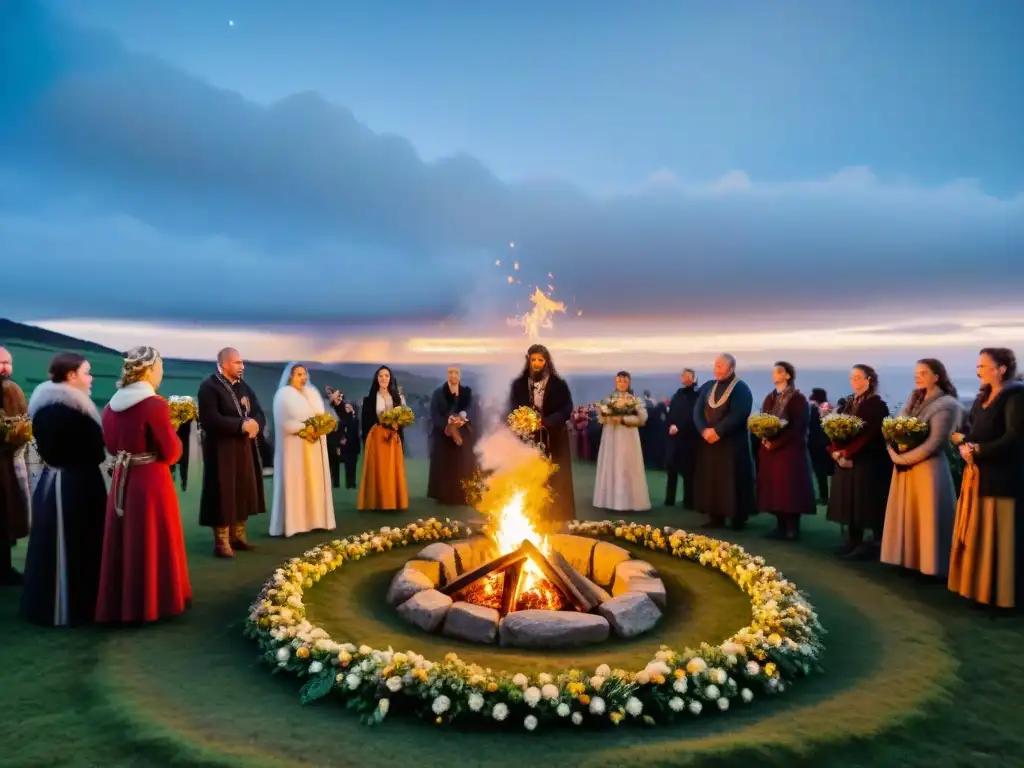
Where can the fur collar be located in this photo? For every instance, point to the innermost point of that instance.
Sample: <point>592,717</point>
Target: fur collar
<point>131,395</point>
<point>50,393</point>
<point>309,396</point>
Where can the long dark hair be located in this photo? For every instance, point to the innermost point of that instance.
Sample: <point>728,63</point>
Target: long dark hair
<point>396,398</point>
<point>63,365</point>
<point>788,368</point>
<point>538,349</point>
<point>872,376</point>
<point>944,383</point>
<point>818,395</point>
<point>1002,357</point>
<point>629,377</point>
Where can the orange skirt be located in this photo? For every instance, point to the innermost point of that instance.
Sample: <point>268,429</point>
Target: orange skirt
<point>982,563</point>
<point>383,484</point>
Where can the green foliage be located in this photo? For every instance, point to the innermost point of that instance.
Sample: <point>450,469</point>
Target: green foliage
<point>317,686</point>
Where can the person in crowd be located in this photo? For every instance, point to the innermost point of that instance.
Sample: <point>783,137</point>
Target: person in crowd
<point>860,486</point>
<point>725,470</point>
<point>65,547</point>
<point>683,441</point>
<point>985,562</point>
<point>919,516</point>
<point>303,500</point>
<point>621,482</point>
<point>452,460</point>
<point>383,485</point>
<point>144,570</point>
<point>784,486</point>
<point>817,444</point>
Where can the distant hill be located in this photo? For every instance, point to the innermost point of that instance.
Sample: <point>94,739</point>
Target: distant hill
<point>32,349</point>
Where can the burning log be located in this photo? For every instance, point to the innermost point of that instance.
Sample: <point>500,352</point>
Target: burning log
<point>511,568</point>
<point>592,593</point>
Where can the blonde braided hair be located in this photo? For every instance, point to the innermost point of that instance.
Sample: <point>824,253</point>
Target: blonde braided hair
<point>137,362</point>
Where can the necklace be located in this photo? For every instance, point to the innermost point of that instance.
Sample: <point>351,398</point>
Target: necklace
<point>716,402</point>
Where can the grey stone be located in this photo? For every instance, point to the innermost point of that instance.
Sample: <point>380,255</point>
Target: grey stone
<point>474,623</point>
<point>628,569</point>
<point>606,559</point>
<point>630,614</point>
<point>406,583</point>
<point>552,629</point>
<point>442,553</point>
<point>429,568</point>
<point>474,552</point>
<point>653,587</point>
<point>426,609</point>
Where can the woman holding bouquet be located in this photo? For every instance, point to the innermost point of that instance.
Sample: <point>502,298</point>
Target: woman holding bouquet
<point>784,487</point>
<point>621,484</point>
<point>922,500</point>
<point>860,487</point>
<point>62,569</point>
<point>988,547</point>
<point>144,576</point>
<point>302,479</point>
<point>383,485</point>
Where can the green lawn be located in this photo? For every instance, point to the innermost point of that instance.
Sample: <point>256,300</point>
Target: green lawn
<point>915,676</point>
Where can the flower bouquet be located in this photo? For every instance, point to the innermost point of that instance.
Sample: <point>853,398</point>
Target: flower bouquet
<point>841,427</point>
<point>183,410</point>
<point>317,426</point>
<point>397,417</point>
<point>15,431</point>
<point>524,421</point>
<point>619,404</point>
<point>904,432</point>
<point>765,426</point>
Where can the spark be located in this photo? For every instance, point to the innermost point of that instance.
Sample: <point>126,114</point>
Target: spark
<point>515,266</point>
<point>231,23</point>
<point>497,262</point>
<point>540,316</point>
<point>511,243</point>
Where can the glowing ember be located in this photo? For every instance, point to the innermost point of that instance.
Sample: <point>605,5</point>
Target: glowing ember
<point>487,592</point>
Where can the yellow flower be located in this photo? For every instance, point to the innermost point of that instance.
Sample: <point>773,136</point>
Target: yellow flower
<point>584,699</point>
<point>616,717</point>
<point>492,687</point>
<point>769,669</point>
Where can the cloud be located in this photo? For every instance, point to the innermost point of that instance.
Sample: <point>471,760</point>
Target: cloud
<point>123,174</point>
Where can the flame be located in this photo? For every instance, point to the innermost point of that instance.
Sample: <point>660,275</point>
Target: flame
<point>540,316</point>
<point>514,496</point>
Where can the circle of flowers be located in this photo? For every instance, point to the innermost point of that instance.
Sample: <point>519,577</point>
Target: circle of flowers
<point>782,643</point>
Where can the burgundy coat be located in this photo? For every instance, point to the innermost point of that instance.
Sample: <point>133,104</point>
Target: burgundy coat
<point>784,483</point>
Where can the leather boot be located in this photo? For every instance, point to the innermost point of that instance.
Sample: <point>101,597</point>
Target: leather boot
<point>238,539</point>
<point>222,542</point>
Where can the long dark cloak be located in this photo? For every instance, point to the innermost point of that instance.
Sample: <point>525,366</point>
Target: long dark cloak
<point>451,464</point>
<point>556,410</point>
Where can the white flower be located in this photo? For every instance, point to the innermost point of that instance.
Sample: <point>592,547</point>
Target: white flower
<point>549,691</point>
<point>597,706</point>
<point>520,680</point>
<point>603,671</point>
<point>657,668</point>
<point>577,718</point>
<point>316,667</point>
<point>753,668</point>
<point>352,680</point>
<point>676,704</point>
<point>475,702</point>
<point>679,686</point>
<point>531,696</point>
<point>634,706</point>
<point>718,676</point>
<point>530,722</point>
<point>712,692</point>
<point>695,707</point>
<point>747,695</point>
<point>394,683</point>
<point>562,710</point>
<point>596,682</point>
<point>384,705</point>
<point>441,704</point>
<point>723,704</point>
<point>283,653</point>
<point>500,711</point>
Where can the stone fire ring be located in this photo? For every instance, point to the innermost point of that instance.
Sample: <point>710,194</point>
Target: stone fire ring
<point>629,592</point>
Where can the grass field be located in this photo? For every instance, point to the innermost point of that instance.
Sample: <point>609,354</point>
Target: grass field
<point>915,676</point>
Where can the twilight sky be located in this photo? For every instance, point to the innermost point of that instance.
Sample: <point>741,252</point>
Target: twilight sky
<point>316,180</point>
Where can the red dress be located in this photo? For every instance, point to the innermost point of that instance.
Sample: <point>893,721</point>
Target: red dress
<point>144,576</point>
